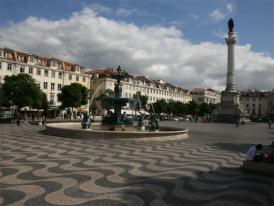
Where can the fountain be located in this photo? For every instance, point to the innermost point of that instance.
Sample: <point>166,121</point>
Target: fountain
<point>117,102</point>
<point>115,124</point>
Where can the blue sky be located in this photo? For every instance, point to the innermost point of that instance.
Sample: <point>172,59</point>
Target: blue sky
<point>179,41</point>
<point>254,19</point>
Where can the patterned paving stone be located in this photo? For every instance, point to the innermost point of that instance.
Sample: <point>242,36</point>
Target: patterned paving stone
<point>42,170</point>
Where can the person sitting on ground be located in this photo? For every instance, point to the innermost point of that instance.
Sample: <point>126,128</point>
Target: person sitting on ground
<point>254,153</point>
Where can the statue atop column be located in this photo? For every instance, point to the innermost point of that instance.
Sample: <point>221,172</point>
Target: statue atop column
<point>230,24</point>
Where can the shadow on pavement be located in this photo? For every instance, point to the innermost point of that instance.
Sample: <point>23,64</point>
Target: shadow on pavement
<point>234,147</point>
<point>223,186</point>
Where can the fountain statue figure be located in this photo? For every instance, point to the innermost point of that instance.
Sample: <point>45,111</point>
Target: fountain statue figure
<point>117,102</point>
<point>86,121</point>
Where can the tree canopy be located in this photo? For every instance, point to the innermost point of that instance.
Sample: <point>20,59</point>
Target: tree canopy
<point>180,108</point>
<point>141,99</point>
<point>73,95</point>
<point>21,90</point>
<point>106,104</point>
<point>160,106</point>
<point>192,107</point>
<point>3,101</point>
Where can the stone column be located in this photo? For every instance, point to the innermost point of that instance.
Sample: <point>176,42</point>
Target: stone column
<point>230,41</point>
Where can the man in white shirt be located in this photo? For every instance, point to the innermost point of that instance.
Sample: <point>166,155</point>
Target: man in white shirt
<point>251,153</point>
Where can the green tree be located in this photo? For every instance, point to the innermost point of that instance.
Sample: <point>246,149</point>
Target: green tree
<point>106,104</point>
<point>21,90</point>
<point>73,95</point>
<point>180,108</point>
<point>212,107</point>
<point>142,98</point>
<point>106,93</point>
<point>204,109</point>
<point>45,104</point>
<point>3,101</point>
<point>192,107</point>
<point>171,106</point>
<point>160,106</point>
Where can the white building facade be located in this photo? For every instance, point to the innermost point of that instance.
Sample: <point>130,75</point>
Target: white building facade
<point>50,74</point>
<point>200,95</point>
<point>153,89</point>
<point>257,103</point>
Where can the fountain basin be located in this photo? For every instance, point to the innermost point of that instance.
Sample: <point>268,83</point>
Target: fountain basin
<point>74,130</point>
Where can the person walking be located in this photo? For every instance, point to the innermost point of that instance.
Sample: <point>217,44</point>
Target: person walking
<point>237,123</point>
<point>18,120</point>
<point>269,124</point>
<point>26,120</point>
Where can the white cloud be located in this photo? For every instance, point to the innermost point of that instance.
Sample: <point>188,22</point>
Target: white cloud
<point>229,8</point>
<point>194,16</point>
<point>125,12</point>
<point>177,23</point>
<point>220,14</point>
<point>100,8</point>
<point>160,52</point>
<point>217,15</point>
<point>122,12</point>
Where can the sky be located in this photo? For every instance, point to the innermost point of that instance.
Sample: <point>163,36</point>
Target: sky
<point>179,41</point>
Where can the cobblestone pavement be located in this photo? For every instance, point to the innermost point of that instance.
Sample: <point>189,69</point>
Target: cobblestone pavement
<point>42,170</point>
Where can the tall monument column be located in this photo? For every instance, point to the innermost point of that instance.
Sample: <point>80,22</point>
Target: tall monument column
<point>230,41</point>
<point>230,110</point>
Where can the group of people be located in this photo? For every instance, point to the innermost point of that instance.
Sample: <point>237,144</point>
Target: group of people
<point>255,153</point>
<point>17,120</point>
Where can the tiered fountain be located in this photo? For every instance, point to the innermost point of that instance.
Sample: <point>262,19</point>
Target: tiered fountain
<point>114,124</point>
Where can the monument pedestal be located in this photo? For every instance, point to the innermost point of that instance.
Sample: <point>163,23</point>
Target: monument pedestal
<point>229,110</point>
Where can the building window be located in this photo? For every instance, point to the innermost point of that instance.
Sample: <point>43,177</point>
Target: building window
<point>30,70</point>
<point>9,67</point>
<point>46,73</point>
<point>45,85</point>
<point>53,63</point>
<point>52,86</point>
<point>60,75</point>
<point>53,74</point>
<point>22,70</point>
<point>70,76</point>
<point>59,87</point>
<point>77,78</point>
<point>31,59</point>
<point>51,99</point>
<point>84,79</point>
<point>38,72</point>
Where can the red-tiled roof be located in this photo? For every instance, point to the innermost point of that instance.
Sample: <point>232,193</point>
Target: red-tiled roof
<point>108,72</point>
<point>46,60</point>
<point>198,90</point>
<point>253,94</point>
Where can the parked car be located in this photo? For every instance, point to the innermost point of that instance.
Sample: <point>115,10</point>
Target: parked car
<point>6,117</point>
<point>176,118</point>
